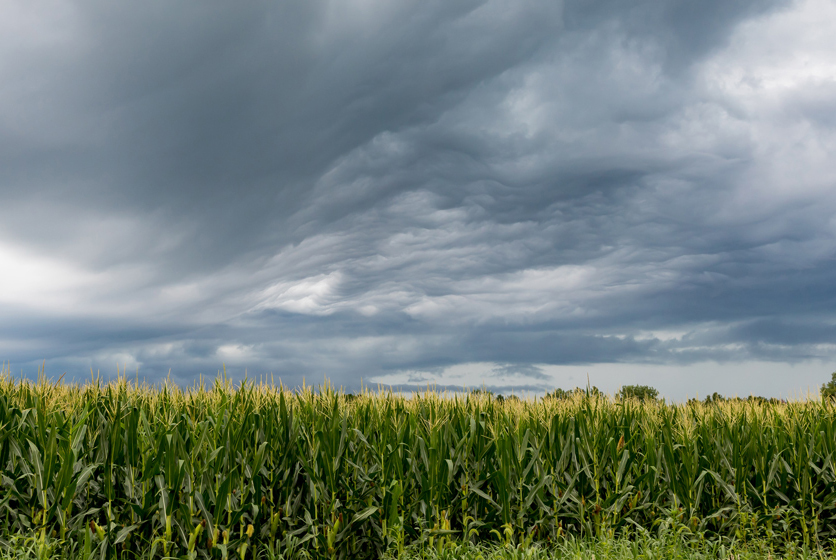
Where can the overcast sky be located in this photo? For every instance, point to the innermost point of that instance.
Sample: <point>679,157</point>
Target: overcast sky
<point>515,193</point>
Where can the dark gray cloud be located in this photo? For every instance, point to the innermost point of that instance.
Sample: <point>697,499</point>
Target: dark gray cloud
<point>366,190</point>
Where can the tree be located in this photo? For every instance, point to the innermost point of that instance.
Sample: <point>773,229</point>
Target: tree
<point>714,398</point>
<point>828,390</point>
<point>638,392</point>
<point>560,394</point>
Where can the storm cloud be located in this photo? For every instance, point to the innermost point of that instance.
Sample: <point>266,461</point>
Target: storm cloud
<point>393,190</point>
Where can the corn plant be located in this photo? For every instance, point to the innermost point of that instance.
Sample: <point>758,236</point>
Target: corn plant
<point>126,470</point>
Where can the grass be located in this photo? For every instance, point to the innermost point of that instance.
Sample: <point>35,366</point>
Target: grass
<point>614,549</point>
<point>645,547</point>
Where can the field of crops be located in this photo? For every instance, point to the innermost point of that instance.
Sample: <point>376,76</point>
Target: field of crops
<point>260,472</point>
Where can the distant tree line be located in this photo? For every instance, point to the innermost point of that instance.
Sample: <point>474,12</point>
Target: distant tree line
<point>638,392</point>
<point>646,393</point>
<point>717,398</point>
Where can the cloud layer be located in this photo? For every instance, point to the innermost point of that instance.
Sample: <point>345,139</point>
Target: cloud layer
<point>367,189</point>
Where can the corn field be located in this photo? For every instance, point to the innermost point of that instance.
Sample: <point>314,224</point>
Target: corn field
<point>258,471</point>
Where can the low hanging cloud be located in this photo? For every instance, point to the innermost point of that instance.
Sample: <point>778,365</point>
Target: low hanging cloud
<point>390,191</point>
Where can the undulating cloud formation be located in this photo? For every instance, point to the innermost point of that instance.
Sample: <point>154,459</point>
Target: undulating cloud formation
<point>513,193</point>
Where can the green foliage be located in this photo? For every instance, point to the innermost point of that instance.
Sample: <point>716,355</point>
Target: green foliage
<point>577,392</point>
<point>560,394</point>
<point>638,392</point>
<point>716,398</point>
<point>828,390</point>
<point>219,472</point>
<point>481,392</point>
<point>638,547</point>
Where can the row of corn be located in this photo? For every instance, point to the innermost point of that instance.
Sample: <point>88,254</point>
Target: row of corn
<point>256,471</point>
